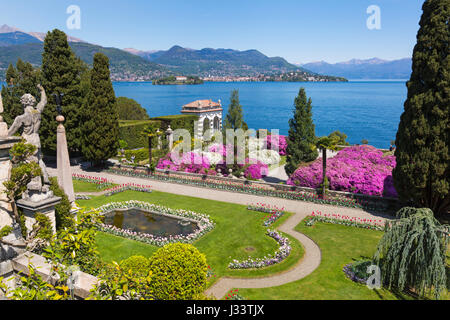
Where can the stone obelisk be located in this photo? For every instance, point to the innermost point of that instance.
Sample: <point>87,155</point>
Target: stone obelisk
<point>63,161</point>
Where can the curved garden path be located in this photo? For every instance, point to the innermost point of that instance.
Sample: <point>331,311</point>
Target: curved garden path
<point>301,210</point>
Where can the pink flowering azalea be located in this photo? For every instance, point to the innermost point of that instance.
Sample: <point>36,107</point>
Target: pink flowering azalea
<point>275,142</point>
<point>360,169</point>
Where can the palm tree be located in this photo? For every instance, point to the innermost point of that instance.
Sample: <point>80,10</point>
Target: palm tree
<point>324,144</point>
<point>151,131</point>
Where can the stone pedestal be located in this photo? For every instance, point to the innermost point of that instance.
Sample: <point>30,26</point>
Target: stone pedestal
<point>63,161</point>
<point>46,207</point>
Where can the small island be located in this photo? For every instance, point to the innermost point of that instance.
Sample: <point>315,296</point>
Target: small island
<point>178,80</point>
<point>301,76</point>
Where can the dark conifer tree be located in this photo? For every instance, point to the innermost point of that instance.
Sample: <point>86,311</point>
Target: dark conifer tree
<point>422,174</point>
<point>234,118</point>
<point>62,72</point>
<point>302,138</point>
<point>100,129</point>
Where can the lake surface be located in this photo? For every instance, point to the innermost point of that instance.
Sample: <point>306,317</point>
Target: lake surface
<point>361,109</point>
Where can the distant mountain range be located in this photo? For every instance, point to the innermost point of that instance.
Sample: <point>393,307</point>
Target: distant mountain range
<point>217,62</point>
<point>364,69</point>
<point>135,65</point>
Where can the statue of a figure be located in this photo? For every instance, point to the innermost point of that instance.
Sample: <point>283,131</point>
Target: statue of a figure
<point>30,120</point>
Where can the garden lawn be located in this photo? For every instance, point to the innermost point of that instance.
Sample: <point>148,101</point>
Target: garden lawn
<point>238,234</point>
<point>339,245</point>
<point>83,186</point>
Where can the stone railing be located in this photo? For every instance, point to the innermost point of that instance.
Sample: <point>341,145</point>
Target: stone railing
<point>19,266</point>
<point>381,203</point>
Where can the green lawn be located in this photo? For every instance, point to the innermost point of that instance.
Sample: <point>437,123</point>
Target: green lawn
<point>83,186</point>
<point>239,233</point>
<point>339,245</point>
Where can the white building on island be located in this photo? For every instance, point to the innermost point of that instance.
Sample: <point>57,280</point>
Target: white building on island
<point>209,113</point>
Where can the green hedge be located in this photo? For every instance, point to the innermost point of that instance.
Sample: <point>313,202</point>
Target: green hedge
<point>131,132</point>
<point>180,121</point>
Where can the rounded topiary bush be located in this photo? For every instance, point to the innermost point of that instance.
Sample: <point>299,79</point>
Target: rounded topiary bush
<point>139,265</point>
<point>178,272</point>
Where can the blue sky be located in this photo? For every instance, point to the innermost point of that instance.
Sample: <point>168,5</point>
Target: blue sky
<point>299,30</point>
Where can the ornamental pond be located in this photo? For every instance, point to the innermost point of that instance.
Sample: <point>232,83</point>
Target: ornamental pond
<point>143,221</point>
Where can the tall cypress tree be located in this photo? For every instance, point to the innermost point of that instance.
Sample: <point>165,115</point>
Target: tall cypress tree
<point>234,118</point>
<point>20,80</point>
<point>100,129</point>
<point>422,175</point>
<point>62,72</point>
<point>302,137</point>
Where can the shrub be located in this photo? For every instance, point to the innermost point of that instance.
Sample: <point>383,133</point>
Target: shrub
<point>63,216</point>
<point>179,272</point>
<point>6,230</point>
<point>139,155</point>
<point>360,169</point>
<point>43,222</point>
<point>138,265</point>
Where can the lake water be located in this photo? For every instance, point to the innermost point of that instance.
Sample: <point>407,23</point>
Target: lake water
<point>361,109</point>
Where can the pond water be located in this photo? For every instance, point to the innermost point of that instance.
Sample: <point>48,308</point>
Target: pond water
<point>150,223</point>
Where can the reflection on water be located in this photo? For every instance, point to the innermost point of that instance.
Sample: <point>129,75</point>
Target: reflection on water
<point>151,223</point>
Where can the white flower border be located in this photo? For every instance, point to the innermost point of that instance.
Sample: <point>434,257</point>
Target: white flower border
<point>204,223</point>
<point>282,253</point>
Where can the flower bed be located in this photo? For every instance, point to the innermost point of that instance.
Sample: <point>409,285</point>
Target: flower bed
<point>204,223</point>
<point>250,189</point>
<point>126,187</point>
<point>282,253</point>
<point>275,212</point>
<point>360,169</point>
<point>102,183</point>
<point>344,220</point>
<point>357,271</point>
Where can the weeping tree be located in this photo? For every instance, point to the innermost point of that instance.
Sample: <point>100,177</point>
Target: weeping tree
<point>412,252</point>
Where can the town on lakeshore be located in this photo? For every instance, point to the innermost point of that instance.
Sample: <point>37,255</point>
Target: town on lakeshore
<point>213,174</point>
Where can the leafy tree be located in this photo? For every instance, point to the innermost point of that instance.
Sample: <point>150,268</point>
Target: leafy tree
<point>129,109</point>
<point>234,118</point>
<point>302,138</point>
<point>364,141</point>
<point>20,80</point>
<point>100,125</point>
<point>412,252</point>
<point>340,137</point>
<point>324,144</point>
<point>62,73</point>
<point>422,176</point>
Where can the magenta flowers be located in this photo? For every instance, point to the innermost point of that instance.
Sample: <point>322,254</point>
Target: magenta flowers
<point>359,169</point>
<point>275,142</point>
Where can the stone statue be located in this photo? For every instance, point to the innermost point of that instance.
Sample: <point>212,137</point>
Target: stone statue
<point>30,120</point>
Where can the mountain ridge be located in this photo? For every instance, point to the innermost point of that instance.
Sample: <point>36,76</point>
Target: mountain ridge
<point>373,68</point>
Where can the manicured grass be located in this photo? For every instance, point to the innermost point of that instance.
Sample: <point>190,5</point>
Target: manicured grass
<point>339,245</point>
<point>237,229</point>
<point>83,186</point>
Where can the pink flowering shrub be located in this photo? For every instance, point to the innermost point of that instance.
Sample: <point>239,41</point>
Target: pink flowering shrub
<point>359,169</point>
<point>189,162</point>
<point>256,171</point>
<point>279,142</point>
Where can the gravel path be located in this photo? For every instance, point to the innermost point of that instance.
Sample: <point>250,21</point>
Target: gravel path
<point>301,209</point>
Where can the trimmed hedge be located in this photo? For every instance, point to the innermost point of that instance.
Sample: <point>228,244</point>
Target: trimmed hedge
<point>180,121</point>
<point>131,132</point>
